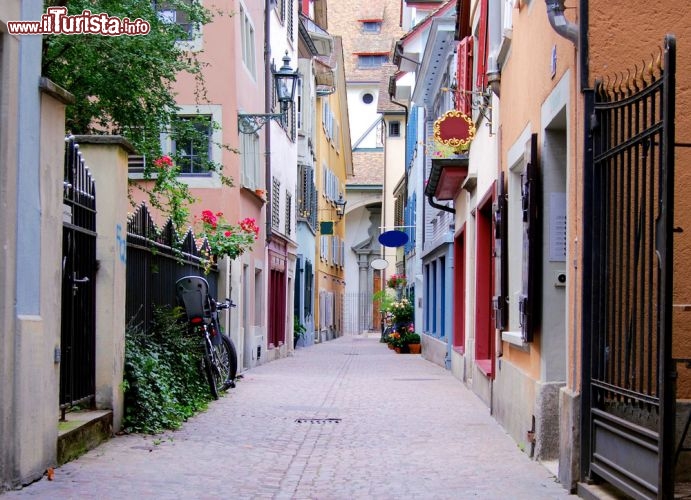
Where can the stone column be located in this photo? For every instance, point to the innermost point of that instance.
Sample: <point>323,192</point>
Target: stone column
<point>106,157</point>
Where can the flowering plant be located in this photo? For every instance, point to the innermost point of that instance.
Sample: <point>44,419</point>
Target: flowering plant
<point>396,280</point>
<point>409,335</point>
<point>225,238</point>
<point>402,311</point>
<point>394,338</point>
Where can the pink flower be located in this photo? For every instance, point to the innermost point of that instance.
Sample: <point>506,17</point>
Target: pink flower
<point>208,217</point>
<point>163,162</point>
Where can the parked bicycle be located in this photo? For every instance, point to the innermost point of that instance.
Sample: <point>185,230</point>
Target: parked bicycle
<point>219,356</point>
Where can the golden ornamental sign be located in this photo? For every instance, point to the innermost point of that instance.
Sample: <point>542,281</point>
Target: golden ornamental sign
<point>454,129</point>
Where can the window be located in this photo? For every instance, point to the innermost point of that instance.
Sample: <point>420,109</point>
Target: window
<point>247,36</point>
<point>298,104</point>
<point>367,98</point>
<point>169,14</point>
<point>289,212</point>
<point>291,24</point>
<point>191,143</point>
<point>249,154</point>
<point>395,129</point>
<point>276,204</point>
<point>372,61</point>
<point>371,26</point>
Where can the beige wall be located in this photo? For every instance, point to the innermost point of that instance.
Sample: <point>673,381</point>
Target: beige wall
<point>526,85</point>
<point>106,157</point>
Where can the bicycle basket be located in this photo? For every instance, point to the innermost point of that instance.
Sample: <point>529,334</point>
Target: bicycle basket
<point>193,295</point>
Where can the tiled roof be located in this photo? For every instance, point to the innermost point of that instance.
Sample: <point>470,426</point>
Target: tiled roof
<point>368,168</point>
<point>384,104</point>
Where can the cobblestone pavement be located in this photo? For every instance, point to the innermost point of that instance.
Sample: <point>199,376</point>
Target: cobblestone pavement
<point>407,430</point>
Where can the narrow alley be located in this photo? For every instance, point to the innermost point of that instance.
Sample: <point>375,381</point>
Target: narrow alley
<point>344,419</point>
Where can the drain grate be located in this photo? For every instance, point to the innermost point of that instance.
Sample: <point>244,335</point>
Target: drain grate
<point>318,420</point>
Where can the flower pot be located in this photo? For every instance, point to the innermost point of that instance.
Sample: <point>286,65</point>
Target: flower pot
<point>390,346</point>
<point>397,349</point>
<point>414,348</point>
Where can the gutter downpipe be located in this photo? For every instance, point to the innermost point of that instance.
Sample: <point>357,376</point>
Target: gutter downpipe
<point>267,109</point>
<point>405,167</point>
<point>430,200</point>
<point>555,13</point>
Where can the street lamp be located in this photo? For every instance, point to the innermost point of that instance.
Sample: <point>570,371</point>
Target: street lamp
<point>285,80</point>
<point>340,206</point>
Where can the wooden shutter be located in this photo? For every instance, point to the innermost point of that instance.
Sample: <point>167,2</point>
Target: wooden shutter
<point>501,285</point>
<point>481,80</point>
<point>530,192</point>
<point>465,75</point>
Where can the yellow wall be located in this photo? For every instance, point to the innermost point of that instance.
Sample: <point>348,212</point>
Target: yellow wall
<point>330,277</point>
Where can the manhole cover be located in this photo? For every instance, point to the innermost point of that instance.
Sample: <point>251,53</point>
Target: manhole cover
<point>415,379</point>
<point>318,420</point>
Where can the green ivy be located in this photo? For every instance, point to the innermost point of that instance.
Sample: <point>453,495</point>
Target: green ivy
<point>164,384</point>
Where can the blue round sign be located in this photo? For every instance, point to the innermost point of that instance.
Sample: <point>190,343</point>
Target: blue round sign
<point>393,238</point>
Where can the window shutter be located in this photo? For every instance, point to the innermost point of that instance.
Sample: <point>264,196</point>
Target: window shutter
<point>527,303</point>
<point>465,75</point>
<point>481,78</point>
<point>299,275</point>
<point>308,288</point>
<point>499,301</point>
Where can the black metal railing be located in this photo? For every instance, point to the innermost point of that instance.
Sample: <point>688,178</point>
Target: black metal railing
<point>78,321</point>
<point>628,394</point>
<point>156,259</point>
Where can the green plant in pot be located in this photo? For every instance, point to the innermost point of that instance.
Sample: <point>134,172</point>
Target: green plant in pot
<point>298,331</point>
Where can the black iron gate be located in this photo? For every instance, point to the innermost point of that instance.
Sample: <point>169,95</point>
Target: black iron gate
<point>78,337</point>
<point>628,374</point>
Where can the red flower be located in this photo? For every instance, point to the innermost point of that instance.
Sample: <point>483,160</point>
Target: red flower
<point>163,162</point>
<point>209,218</point>
<point>226,234</point>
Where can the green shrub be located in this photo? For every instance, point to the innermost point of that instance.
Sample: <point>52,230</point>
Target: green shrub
<point>163,381</point>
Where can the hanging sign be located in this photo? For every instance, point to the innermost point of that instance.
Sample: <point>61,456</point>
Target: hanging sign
<point>379,264</point>
<point>393,238</point>
<point>454,129</point>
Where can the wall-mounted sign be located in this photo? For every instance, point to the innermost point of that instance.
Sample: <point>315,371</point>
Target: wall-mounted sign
<point>326,227</point>
<point>379,264</point>
<point>393,238</point>
<point>454,129</point>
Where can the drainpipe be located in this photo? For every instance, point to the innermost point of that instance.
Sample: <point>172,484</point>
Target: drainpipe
<point>430,200</point>
<point>267,109</point>
<point>555,13</point>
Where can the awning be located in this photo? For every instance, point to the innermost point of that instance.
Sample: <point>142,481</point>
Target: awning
<point>447,177</point>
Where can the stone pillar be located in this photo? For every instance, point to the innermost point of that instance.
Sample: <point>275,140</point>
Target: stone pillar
<point>106,157</point>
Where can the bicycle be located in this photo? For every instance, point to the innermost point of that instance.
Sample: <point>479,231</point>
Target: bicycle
<point>219,357</point>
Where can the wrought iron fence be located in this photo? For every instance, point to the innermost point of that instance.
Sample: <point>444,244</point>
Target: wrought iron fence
<point>156,259</point>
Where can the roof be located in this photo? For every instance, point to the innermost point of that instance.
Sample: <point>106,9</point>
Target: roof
<point>368,168</point>
<point>384,104</point>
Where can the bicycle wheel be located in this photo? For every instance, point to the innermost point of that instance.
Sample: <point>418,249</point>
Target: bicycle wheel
<point>224,364</point>
<point>233,356</point>
<point>209,370</point>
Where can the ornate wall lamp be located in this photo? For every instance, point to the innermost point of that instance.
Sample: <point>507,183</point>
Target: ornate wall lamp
<point>284,83</point>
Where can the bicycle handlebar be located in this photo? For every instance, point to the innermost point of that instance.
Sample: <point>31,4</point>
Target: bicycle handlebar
<point>226,304</point>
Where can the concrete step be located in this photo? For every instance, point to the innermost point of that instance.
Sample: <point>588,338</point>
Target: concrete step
<point>82,431</point>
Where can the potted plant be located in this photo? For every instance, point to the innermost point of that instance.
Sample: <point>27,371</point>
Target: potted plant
<point>412,340</point>
<point>298,331</point>
<point>402,311</point>
<point>397,281</point>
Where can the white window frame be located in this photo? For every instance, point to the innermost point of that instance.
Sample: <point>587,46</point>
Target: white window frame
<point>203,181</point>
<point>249,56</point>
<point>250,160</point>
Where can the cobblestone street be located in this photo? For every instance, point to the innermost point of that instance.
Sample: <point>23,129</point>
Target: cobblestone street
<point>344,419</point>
